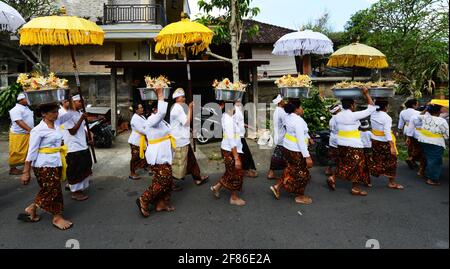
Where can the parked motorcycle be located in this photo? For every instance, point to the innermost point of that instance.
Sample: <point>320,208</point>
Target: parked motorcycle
<point>103,133</point>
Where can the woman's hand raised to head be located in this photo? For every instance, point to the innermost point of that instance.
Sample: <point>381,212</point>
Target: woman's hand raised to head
<point>365,92</point>
<point>159,93</point>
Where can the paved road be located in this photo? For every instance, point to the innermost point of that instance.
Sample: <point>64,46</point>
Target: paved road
<point>417,217</point>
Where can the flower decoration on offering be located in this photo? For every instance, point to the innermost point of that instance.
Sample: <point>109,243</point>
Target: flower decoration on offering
<point>356,84</point>
<point>39,82</point>
<point>157,82</point>
<point>301,81</point>
<point>226,84</point>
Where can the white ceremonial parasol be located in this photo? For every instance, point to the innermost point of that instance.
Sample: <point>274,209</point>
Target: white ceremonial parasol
<point>303,43</point>
<point>10,19</point>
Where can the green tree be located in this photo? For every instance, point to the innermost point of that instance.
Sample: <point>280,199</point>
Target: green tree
<point>33,8</point>
<point>414,36</point>
<point>228,27</point>
<point>30,9</point>
<point>321,24</point>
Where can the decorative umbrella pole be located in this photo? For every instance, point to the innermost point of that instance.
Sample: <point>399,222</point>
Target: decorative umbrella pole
<point>184,37</point>
<point>358,55</point>
<point>67,31</point>
<point>303,43</point>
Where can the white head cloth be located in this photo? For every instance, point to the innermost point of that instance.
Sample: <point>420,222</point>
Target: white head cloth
<point>178,92</point>
<point>277,100</point>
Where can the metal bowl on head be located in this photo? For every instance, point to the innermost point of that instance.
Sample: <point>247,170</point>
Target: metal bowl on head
<point>347,92</point>
<point>150,94</point>
<point>46,96</point>
<point>294,92</point>
<point>380,92</point>
<point>228,95</point>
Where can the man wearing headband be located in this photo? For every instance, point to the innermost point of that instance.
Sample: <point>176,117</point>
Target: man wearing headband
<point>184,161</point>
<point>277,161</point>
<point>332,151</point>
<point>79,161</point>
<point>22,121</point>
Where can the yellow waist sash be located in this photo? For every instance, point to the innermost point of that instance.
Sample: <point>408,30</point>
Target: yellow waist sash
<point>381,133</point>
<point>63,151</point>
<point>142,145</point>
<point>349,134</point>
<point>236,136</point>
<point>162,139</point>
<point>430,134</point>
<point>294,139</point>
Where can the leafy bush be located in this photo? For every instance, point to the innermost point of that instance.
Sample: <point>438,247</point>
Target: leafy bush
<point>316,115</point>
<point>8,98</point>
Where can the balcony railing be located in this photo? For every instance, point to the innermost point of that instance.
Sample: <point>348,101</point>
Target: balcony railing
<point>139,13</point>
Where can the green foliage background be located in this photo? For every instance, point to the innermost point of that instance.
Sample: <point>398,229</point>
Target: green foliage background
<point>8,98</point>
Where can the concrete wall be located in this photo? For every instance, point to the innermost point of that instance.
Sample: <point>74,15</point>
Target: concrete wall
<point>60,60</point>
<point>84,8</point>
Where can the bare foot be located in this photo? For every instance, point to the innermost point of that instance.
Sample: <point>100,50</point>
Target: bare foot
<point>237,201</point>
<point>356,191</point>
<point>215,192</point>
<point>395,186</point>
<point>432,183</point>
<point>31,211</point>
<point>167,208</point>
<point>271,175</point>
<point>203,180</point>
<point>79,196</point>
<point>303,199</point>
<point>61,223</point>
<point>251,173</point>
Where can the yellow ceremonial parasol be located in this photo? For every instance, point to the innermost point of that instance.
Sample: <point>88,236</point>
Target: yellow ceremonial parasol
<point>66,31</point>
<point>181,38</point>
<point>358,55</point>
<point>440,102</point>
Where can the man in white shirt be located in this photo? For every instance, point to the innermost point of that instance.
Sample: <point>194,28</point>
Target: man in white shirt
<point>404,120</point>
<point>79,161</point>
<point>22,121</point>
<point>184,161</point>
<point>333,146</point>
<point>415,152</point>
<point>277,161</point>
<point>405,116</point>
